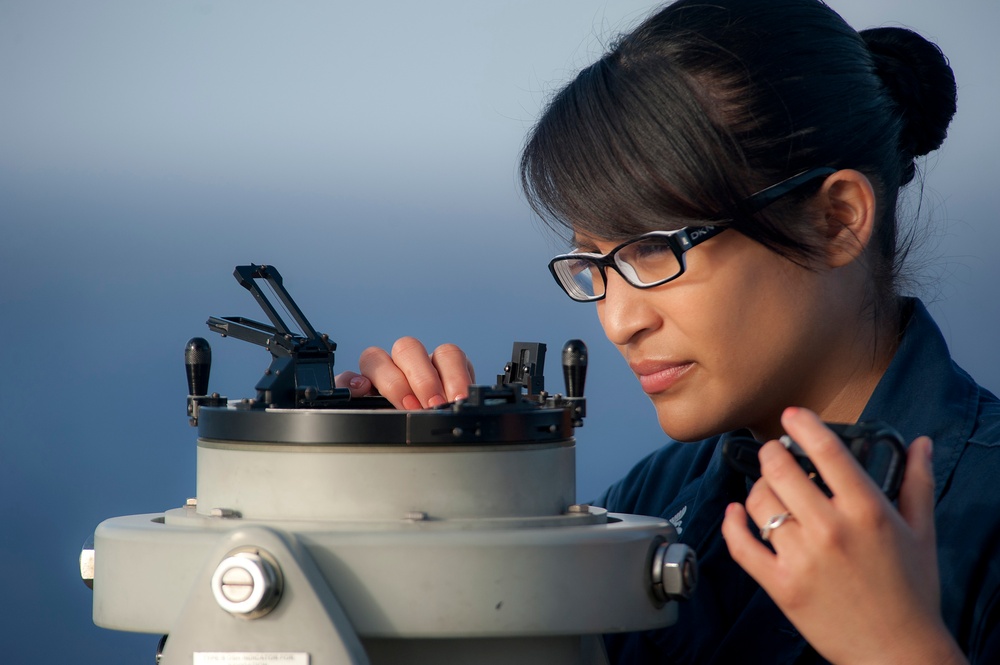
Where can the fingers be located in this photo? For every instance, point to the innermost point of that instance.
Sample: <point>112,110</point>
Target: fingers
<point>419,370</point>
<point>411,378</point>
<point>751,554</point>
<point>785,487</point>
<point>763,506</point>
<point>455,371</point>
<point>835,463</point>
<point>359,385</point>
<point>788,481</point>
<point>916,496</point>
<point>390,381</point>
<point>854,545</point>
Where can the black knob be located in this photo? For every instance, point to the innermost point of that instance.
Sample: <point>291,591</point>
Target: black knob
<point>574,362</point>
<point>198,361</point>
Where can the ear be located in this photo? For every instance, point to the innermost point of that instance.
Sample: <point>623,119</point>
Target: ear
<point>847,216</point>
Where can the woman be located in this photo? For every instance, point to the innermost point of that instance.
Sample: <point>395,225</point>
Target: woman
<point>728,174</point>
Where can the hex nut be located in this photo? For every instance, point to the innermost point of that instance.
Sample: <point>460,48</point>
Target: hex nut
<point>675,572</point>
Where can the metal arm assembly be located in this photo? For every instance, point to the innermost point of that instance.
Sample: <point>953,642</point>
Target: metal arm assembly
<point>301,371</point>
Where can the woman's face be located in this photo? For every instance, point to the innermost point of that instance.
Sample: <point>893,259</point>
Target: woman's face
<point>741,335</point>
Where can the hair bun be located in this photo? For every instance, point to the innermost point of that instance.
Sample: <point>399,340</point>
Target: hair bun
<point>920,82</point>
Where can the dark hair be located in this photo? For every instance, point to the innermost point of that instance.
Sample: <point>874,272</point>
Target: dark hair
<point>708,101</point>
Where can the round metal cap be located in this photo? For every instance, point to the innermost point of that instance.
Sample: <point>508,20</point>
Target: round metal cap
<point>247,584</point>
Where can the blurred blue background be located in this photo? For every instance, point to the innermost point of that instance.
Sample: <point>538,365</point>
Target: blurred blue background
<point>368,150</point>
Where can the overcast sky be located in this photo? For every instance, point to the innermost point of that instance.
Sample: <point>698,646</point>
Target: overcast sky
<point>366,149</point>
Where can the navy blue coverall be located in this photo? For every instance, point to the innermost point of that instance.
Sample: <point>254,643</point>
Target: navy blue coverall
<point>732,620</point>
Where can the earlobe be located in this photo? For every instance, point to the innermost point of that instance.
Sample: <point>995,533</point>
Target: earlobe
<point>848,221</point>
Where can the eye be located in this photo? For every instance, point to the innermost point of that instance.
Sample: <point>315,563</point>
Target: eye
<point>649,260</point>
<point>583,269</point>
<point>650,248</point>
<point>647,251</point>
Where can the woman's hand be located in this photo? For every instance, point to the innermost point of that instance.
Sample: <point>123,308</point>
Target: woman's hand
<point>409,377</point>
<point>855,576</point>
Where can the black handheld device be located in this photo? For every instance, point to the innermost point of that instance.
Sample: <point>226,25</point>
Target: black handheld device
<point>878,447</point>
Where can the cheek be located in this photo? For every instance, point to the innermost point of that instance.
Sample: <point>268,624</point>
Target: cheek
<point>769,309</point>
<point>728,320</point>
<point>750,335</point>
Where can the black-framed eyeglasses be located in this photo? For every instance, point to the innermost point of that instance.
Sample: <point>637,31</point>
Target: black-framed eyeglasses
<point>656,257</point>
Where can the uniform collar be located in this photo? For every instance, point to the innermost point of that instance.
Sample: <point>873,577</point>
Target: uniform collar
<point>923,392</point>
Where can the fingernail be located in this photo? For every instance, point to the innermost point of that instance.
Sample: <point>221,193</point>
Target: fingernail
<point>411,403</point>
<point>358,382</point>
<point>437,400</point>
<point>459,396</point>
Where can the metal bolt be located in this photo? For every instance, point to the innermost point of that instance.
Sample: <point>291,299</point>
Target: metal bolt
<point>579,508</point>
<point>87,562</point>
<point>192,502</point>
<point>675,571</point>
<point>415,516</point>
<point>247,583</point>
<point>223,512</point>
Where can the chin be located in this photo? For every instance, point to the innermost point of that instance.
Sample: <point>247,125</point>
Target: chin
<point>681,428</point>
<point>690,423</point>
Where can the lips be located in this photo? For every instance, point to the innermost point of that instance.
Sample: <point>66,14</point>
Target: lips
<point>657,377</point>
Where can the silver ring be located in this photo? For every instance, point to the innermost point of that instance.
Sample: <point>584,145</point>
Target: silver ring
<point>774,523</point>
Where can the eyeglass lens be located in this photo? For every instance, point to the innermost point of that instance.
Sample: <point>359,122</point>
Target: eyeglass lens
<point>642,263</point>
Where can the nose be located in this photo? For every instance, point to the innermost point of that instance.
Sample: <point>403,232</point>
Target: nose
<point>625,312</point>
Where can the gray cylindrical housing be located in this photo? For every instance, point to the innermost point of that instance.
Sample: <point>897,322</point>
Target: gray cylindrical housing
<point>364,483</point>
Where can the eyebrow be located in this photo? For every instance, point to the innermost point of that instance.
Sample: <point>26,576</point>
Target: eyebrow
<point>580,242</point>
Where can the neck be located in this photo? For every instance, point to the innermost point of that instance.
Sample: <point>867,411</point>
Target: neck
<point>847,377</point>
